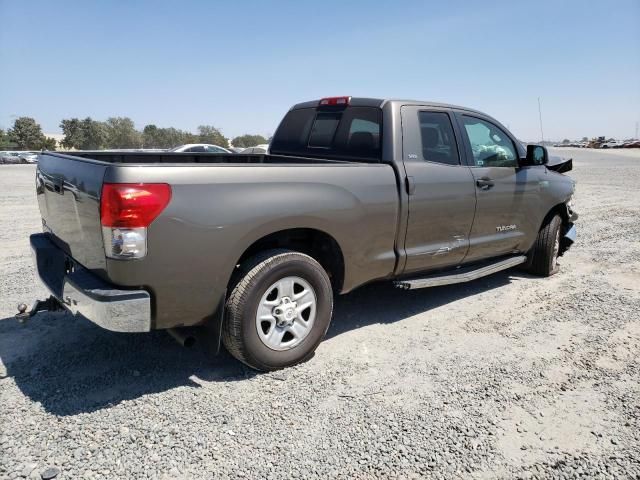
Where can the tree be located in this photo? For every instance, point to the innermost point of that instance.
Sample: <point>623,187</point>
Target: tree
<point>5,142</point>
<point>48,143</point>
<point>121,133</point>
<point>565,141</point>
<point>95,134</point>
<point>154,137</point>
<point>26,134</point>
<point>188,137</point>
<point>247,140</point>
<point>210,134</point>
<point>73,134</point>
<point>87,134</point>
<point>150,137</point>
<point>172,137</point>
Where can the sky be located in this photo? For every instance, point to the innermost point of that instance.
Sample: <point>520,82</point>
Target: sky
<point>240,65</point>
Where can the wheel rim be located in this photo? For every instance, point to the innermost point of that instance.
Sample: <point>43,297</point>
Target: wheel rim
<point>556,250</point>
<point>286,313</point>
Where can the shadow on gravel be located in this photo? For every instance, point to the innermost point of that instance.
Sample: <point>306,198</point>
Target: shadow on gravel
<point>383,303</point>
<point>71,366</point>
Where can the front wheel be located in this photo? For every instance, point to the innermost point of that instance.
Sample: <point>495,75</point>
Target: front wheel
<point>543,257</point>
<point>279,310</point>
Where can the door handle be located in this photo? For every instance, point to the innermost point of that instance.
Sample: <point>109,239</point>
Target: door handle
<point>484,183</point>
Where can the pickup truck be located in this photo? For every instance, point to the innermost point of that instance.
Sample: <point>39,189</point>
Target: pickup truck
<point>254,247</point>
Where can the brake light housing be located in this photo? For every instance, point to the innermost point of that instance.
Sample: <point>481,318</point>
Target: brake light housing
<point>126,210</point>
<point>335,101</point>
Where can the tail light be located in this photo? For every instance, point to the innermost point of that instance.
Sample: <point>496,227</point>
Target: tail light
<point>126,210</point>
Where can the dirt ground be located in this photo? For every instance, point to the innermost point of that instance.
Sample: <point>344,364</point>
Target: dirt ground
<point>509,376</point>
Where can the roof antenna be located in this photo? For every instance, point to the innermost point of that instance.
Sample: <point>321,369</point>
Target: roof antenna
<point>540,115</point>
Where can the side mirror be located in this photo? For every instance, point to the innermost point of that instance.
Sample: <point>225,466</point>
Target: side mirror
<point>536,155</point>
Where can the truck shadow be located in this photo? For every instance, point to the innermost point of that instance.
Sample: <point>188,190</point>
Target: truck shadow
<point>71,366</point>
<point>383,303</point>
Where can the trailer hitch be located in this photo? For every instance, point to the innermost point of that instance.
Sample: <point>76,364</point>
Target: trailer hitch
<point>51,304</point>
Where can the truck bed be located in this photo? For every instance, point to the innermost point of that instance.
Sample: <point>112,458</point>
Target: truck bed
<point>220,205</point>
<point>182,158</point>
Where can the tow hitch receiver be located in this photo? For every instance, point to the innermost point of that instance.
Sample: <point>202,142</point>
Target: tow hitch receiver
<point>51,304</point>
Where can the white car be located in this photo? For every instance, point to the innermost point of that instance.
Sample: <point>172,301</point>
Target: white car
<point>199,148</point>
<point>18,157</point>
<point>10,157</point>
<point>257,149</point>
<point>614,144</point>
<point>29,157</point>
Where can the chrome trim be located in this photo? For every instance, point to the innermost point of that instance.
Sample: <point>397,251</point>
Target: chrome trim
<point>83,293</point>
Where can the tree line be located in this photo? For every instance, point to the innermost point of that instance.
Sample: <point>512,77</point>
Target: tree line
<point>26,134</point>
<point>114,133</point>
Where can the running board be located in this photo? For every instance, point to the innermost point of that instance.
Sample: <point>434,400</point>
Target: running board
<point>461,276</point>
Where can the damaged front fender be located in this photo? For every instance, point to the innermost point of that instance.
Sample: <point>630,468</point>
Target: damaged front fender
<point>568,238</point>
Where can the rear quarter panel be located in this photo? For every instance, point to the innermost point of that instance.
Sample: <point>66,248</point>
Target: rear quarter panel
<point>217,212</point>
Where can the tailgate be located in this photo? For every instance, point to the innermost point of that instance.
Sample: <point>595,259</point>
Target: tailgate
<point>68,191</point>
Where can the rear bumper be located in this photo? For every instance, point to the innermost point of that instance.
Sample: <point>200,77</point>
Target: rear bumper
<point>84,294</point>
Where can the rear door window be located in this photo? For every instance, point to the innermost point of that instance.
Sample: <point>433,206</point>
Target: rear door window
<point>341,134</point>
<point>438,141</point>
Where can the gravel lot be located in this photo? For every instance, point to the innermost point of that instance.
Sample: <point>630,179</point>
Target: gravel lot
<point>509,376</point>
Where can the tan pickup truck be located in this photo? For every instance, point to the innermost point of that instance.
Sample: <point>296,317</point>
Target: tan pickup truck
<point>254,247</point>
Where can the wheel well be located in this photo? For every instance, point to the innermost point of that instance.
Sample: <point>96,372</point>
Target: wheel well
<point>315,243</point>
<point>559,209</point>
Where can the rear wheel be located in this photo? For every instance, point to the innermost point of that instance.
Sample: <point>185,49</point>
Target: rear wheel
<point>544,254</point>
<point>279,310</point>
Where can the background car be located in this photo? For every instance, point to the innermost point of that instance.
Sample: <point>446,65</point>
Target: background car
<point>199,148</point>
<point>10,157</point>
<point>28,157</point>
<point>257,149</point>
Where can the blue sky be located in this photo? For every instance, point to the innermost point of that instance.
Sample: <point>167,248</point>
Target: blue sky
<point>239,65</point>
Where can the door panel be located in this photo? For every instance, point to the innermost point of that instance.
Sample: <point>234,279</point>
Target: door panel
<point>503,218</point>
<point>442,193</point>
<point>506,209</point>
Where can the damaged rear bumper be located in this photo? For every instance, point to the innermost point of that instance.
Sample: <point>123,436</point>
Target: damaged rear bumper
<point>85,294</point>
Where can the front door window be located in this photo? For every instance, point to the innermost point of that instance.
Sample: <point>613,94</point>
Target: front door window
<point>491,147</point>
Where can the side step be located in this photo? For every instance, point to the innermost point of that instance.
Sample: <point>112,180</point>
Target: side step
<point>460,275</point>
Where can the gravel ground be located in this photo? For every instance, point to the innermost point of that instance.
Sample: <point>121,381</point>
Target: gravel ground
<point>508,377</point>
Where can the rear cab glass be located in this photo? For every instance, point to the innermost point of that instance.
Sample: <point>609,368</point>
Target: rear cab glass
<point>339,133</point>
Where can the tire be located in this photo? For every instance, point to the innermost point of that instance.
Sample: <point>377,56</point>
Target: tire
<point>543,257</point>
<point>262,286</point>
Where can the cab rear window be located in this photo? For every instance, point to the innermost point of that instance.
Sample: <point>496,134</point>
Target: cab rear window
<point>323,130</point>
<point>352,133</point>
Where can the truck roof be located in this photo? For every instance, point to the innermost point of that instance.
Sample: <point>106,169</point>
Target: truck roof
<point>380,102</point>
